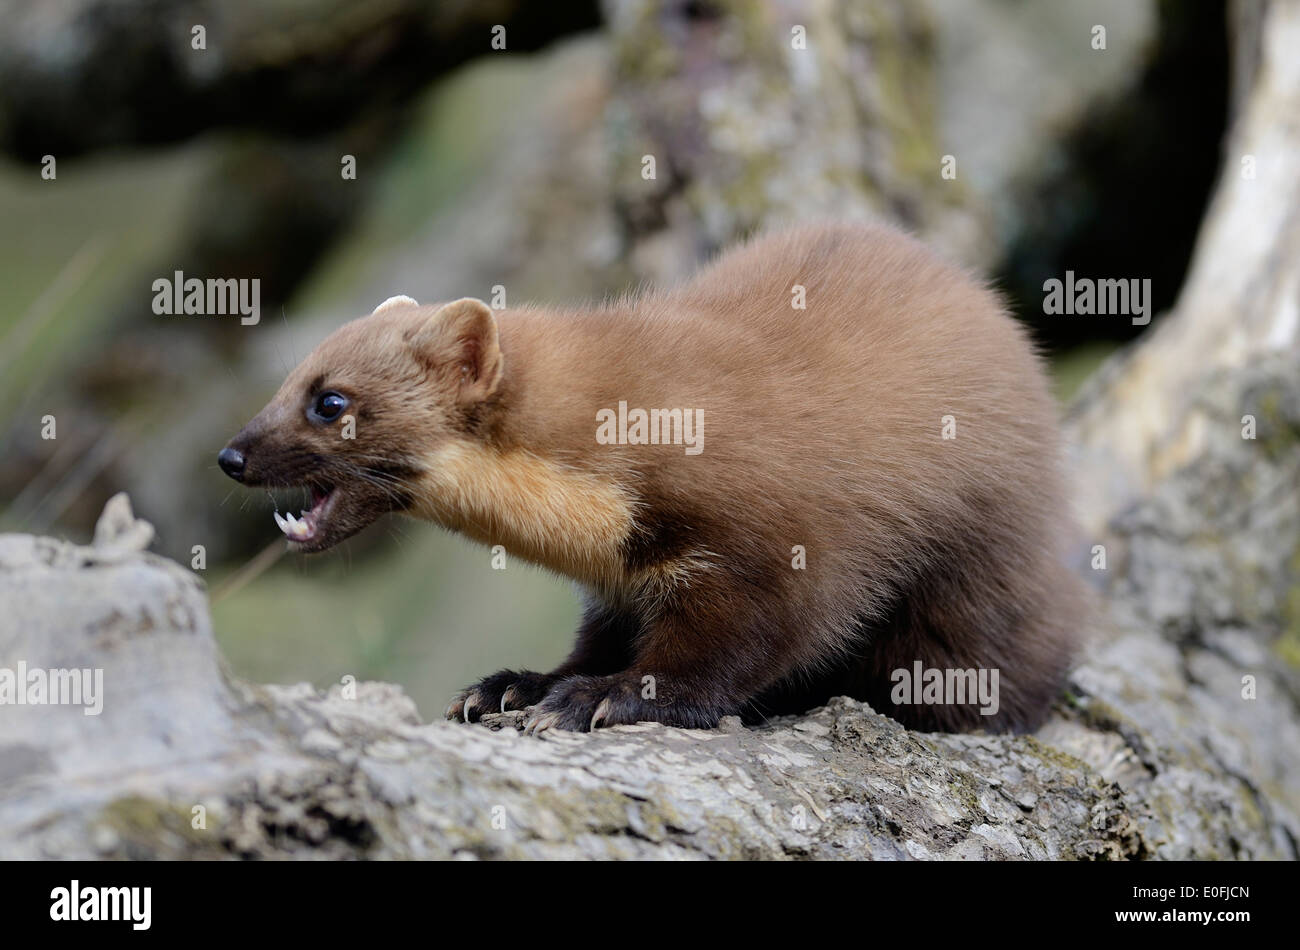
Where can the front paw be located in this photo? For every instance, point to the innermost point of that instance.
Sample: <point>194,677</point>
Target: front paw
<point>508,689</point>
<point>584,703</point>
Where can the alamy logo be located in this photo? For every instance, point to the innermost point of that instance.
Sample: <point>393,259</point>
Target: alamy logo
<point>75,902</point>
<point>651,427</point>
<point>945,687</point>
<point>1085,296</point>
<point>60,687</point>
<point>178,295</point>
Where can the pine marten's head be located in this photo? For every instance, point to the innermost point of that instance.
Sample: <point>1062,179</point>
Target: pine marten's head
<point>358,419</point>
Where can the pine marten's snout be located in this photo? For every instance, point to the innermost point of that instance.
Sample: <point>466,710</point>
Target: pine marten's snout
<point>231,461</point>
<point>342,494</point>
<point>355,423</point>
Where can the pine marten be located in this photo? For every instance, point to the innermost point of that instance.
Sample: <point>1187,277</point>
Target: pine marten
<point>826,465</point>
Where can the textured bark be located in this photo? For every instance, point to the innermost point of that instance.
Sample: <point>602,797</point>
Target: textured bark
<point>283,771</point>
<point>1154,754</point>
<point>750,122</point>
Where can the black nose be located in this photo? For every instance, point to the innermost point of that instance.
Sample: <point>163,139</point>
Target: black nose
<point>232,463</point>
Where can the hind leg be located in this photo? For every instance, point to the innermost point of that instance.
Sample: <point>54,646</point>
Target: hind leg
<point>1002,662</point>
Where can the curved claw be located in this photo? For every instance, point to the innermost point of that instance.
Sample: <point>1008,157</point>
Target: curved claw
<point>540,724</point>
<point>471,701</point>
<point>600,715</point>
<point>454,709</point>
<point>506,697</point>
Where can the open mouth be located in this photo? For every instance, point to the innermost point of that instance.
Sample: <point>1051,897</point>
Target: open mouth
<point>308,525</point>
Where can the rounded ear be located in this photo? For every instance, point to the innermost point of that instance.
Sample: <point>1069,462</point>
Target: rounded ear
<point>401,300</point>
<point>461,339</point>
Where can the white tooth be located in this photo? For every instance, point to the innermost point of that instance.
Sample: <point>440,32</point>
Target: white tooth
<point>288,516</point>
<point>284,525</point>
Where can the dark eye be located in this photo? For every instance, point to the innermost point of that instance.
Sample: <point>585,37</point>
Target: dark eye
<point>328,406</point>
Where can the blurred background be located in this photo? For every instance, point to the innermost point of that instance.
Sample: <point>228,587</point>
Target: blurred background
<point>521,166</point>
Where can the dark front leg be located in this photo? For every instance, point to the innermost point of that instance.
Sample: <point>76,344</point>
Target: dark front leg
<point>696,661</point>
<point>604,645</point>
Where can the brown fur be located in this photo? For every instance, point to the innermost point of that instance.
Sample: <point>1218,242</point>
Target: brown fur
<point>822,428</point>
